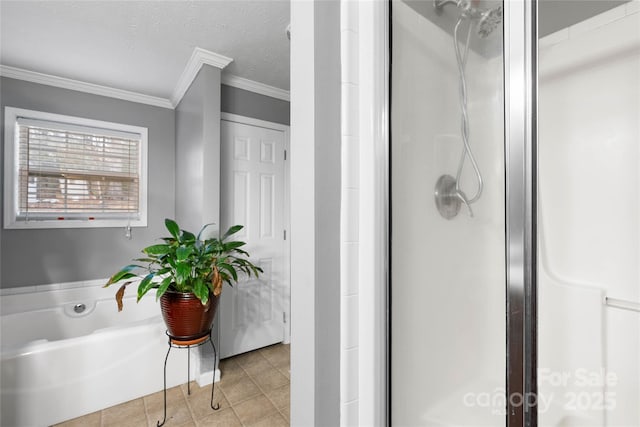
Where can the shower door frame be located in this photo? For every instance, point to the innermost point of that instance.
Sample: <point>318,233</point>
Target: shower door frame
<point>520,139</point>
<point>520,97</point>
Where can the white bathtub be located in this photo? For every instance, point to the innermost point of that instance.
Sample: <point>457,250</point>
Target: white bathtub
<point>57,364</point>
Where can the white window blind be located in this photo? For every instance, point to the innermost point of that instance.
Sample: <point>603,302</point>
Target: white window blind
<point>67,171</point>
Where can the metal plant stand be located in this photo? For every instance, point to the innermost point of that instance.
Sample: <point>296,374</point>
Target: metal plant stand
<point>175,342</point>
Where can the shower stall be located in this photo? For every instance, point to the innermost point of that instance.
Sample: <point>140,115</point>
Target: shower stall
<point>514,151</point>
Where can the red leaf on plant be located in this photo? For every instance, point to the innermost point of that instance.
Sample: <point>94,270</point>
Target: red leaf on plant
<point>120,295</point>
<point>216,281</point>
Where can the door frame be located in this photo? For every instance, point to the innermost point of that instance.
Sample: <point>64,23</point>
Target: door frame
<point>520,130</point>
<point>285,129</point>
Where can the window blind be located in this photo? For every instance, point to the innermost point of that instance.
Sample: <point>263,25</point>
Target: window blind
<point>69,171</point>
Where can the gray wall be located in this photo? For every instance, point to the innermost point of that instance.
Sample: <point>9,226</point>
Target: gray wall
<point>554,15</point>
<point>198,152</point>
<point>327,202</point>
<point>198,161</point>
<point>255,105</point>
<point>42,256</point>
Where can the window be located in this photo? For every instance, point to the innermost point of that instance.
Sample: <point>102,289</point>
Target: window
<point>67,172</point>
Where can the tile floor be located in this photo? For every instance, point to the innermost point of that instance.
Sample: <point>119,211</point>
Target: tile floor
<point>253,391</point>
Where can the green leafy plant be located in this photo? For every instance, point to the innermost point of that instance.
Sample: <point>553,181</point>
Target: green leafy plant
<point>185,263</point>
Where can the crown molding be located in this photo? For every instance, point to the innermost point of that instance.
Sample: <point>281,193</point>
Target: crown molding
<point>199,57</point>
<point>65,83</point>
<point>257,87</point>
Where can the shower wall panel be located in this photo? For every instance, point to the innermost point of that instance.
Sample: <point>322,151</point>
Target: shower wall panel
<point>589,231</point>
<point>448,276</point>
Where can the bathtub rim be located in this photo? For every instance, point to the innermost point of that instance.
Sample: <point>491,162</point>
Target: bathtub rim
<point>59,298</point>
<point>33,298</point>
<point>44,345</point>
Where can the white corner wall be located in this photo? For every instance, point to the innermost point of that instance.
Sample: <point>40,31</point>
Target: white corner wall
<point>303,268</point>
<point>589,210</point>
<point>364,195</point>
<point>349,213</point>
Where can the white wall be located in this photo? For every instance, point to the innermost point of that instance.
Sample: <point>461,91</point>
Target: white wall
<point>302,215</point>
<point>364,223</point>
<point>589,205</point>
<point>349,223</point>
<point>448,276</point>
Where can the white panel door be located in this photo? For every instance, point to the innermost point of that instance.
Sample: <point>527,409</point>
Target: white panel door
<point>252,194</point>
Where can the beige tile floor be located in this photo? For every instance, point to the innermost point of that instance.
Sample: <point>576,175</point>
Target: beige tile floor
<point>253,391</point>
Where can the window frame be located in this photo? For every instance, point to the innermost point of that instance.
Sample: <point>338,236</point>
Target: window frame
<point>11,178</point>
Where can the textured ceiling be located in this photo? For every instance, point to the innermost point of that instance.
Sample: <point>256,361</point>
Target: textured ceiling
<point>143,46</point>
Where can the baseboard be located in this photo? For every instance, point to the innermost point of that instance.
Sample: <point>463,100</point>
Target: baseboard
<point>205,378</point>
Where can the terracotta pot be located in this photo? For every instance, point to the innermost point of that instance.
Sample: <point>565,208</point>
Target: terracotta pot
<point>185,316</point>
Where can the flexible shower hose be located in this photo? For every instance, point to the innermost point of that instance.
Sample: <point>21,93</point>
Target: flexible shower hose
<point>461,58</point>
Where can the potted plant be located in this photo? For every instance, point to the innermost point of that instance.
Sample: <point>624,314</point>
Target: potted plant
<point>187,273</point>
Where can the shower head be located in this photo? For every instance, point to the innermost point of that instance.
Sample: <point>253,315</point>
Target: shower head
<point>467,7</point>
<point>439,4</point>
<point>489,20</point>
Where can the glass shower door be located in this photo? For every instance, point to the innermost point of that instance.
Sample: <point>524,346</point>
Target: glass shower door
<point>515,198</point>
<point>448,274</point>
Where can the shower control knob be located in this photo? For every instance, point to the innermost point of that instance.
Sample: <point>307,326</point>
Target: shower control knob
<point>447,197</point>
